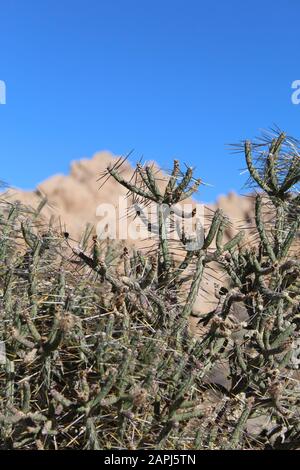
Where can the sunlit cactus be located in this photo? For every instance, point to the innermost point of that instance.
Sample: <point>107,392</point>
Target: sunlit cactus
<point>99,353</point>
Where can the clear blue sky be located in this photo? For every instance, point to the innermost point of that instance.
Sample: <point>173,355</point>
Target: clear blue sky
<point>169,78</point>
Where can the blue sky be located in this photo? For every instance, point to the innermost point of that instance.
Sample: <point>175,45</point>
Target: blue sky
<point>169,78</point>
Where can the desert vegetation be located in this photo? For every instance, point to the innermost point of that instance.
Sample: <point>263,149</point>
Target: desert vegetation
<point>99,353</point>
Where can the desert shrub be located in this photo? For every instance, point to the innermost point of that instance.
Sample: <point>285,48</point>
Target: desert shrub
<point>99,356</point>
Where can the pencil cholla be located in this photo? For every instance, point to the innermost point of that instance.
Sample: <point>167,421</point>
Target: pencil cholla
<point>100,356</point>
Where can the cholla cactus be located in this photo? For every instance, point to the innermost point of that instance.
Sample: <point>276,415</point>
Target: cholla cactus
<point>107,361</point>
<point>166,274</point>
